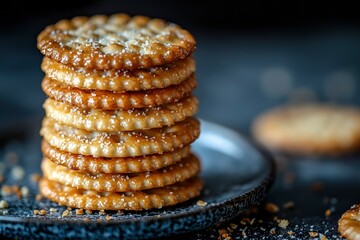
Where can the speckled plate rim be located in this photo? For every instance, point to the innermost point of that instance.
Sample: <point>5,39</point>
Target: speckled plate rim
<point>230,208</point>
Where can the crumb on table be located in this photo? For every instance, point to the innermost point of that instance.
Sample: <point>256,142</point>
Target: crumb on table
<point>79,211</point>
<point>17,173</point>
<point>24,191</point>
<point>65,213</point>
<point>3,204</point>
<point>271,208</point>
<point>283,223</point>
<point>201,203</point>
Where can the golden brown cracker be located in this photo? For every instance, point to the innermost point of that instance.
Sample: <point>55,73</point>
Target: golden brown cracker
<point>120,144</point>
<point>142,200</point>
<point>349,223</point>
<point>186,168</point>
<point>121,120</point>
<point>115,42</point>
<point>109,100</point>
<point>120,80</point>
<point>310,129</point>
<point>94,165</point>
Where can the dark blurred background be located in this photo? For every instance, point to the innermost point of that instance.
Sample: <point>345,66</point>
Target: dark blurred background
<point>250,56</point>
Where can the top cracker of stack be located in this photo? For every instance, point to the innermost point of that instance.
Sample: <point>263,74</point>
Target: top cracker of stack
<point>120,113</point>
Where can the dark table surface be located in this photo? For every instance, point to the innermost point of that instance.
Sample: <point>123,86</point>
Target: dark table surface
<point>240,74</point>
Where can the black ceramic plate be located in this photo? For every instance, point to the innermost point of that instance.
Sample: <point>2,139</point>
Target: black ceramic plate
<point>236,173</point>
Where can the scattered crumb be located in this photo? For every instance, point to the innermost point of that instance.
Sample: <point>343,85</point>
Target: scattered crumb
<point>24,191</point>
<point>328,212</point>
<point>322,237</point>
<point>224,234</point>
<point>102,212</point>
<point>86,219</point>
<point>119,212</point>
<point>271,208</point>
<point>42,212</point>
<point>201,203</point>
<point>272,231</point>
<point>65,213</point>
<point>289,205</point>
<point>4,212</point>
<point>243,233</point>
<point>313,234</point>
<point>88,211</point>
<point>3,204</point>
<point>53,210</point>
<point>99,220</point>
<point>107,217</point>
<point>283,223</point>
<point>36,212</point>
<point>244,220</point>
<point>69,208</point>
<point>6,190</point>
<point>233,225</point>
<point>16,190</point>
<point>291,233</point>
<point>17,173</point>
<point>79,211</point>
<point>317,187</point>
<point>35,177</point>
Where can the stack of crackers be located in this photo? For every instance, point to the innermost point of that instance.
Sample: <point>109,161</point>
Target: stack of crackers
<point>119,113</point>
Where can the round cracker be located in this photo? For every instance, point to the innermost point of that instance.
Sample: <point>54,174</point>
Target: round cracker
<point>108,100</point>
<point>94,165</point>
<point>349,223</point>
<point>121,120</point>
<point>119,80</point>
<point>142,200</point>
<point>115,42</point>
<point>120,144</point>
<point>178,172</point>
<point>310,129</point>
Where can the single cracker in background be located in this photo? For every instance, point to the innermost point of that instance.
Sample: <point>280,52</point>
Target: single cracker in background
<point>115,42</point>
<point>349,223</point>
<point>310,129</point>
<point>113,165</point>
<point>109,100</point>
<point>178,172</point>
<point>120,80</point>
<point>121,120</point>
<point>120,144</point>
<point>141,200</point>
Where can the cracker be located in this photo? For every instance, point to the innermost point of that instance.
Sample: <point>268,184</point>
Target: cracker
<point>120,80</point>
<point>113,165</point>
<point>310,129</point>
<point>120,144</point>
<point>121,120</point>
<point>115,42</point>
<point>178,172</point>
<point>108,100</point>
<point>349,223</point>
<point>142,200</point>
